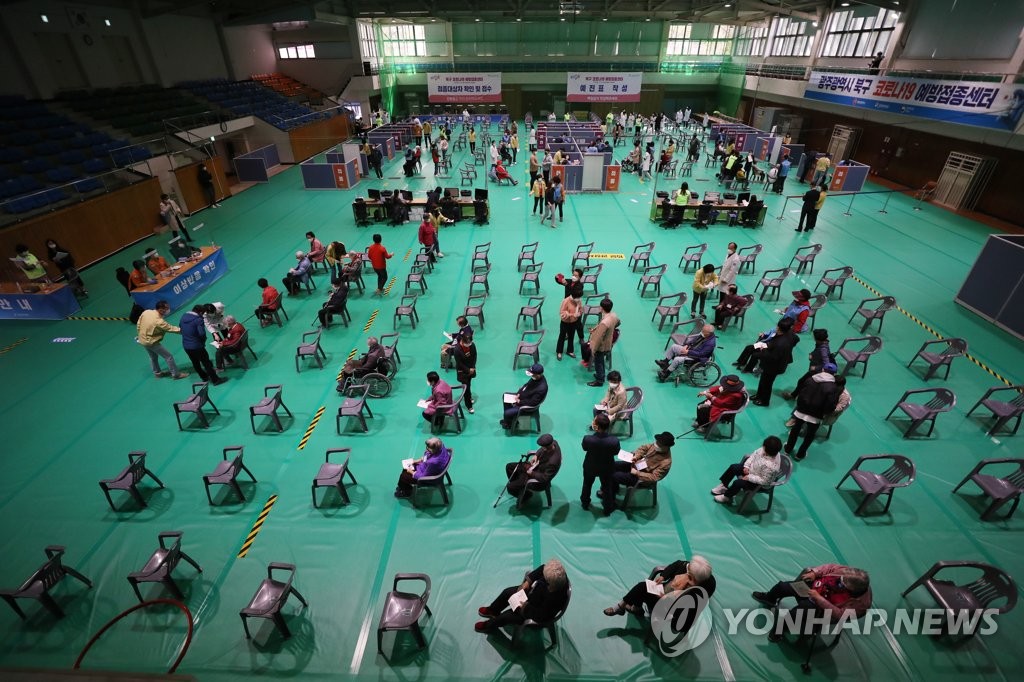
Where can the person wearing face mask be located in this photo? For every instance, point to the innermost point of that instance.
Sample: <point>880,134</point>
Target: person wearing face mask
<point>730,268</point>
<point>439,405</point>
<point>570,314</point>
<point>614,400</point>
<point>601,448</point>
<point>696,348</point>
<point>65,262</point>
<point>530,394</point>
<point>650,464</point>
<point>464,355</point>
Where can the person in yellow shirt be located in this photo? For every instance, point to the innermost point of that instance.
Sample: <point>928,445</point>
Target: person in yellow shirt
<point>472,140</point>
<point>703,281</point>
<point>30,265</point>
<point>538,189</point>
<point>152,327</point>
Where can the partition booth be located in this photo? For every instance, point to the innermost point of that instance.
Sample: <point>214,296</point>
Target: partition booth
<point>994,288</point>
<point>584,171</point>
<point>254,166</point>
<point>326,175</point>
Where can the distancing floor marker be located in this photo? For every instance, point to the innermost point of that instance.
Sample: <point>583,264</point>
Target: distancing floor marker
<point>373,317</point>
<point>312,425</point>
<point>8,349</point>
<point>407,254</point>
<point>387,289</point>
<point>95,318</point>
<point>934,333</point>
<point>351,355</point>
<point>256,527</point>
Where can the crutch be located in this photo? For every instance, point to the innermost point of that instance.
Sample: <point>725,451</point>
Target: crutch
<point>504,488</point>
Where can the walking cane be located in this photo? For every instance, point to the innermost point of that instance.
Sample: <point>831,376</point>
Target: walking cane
<point>504,488</point>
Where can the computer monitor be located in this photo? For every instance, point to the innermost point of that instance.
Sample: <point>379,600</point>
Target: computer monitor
<point>374,194</point>
<point>480,194</point>
<point>407,195</point>
<point>452,191</point>
<point>743,196</point>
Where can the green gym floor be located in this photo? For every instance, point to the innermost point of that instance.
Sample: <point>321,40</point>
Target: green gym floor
<point>72,411</point>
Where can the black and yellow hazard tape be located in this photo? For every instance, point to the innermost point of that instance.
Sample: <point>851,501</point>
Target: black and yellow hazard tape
<point>97,318</point>
<point>407,254</point>
<point>373,317</point>
<point>8,349</point>
<point>312,425</point>
<point>387,289</point>
<point>932,331</point>
<point>256,527</point>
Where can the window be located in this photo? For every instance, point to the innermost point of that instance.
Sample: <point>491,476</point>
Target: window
<point>296,52</point>
<point>404,40</point>
<point>699,40</point>
<point>751,41</point>
<point>856,33</point>
<point>792,38</point>
<point>367,43</point>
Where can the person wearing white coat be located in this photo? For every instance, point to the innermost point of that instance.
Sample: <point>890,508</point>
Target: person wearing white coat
<point>730,268</point>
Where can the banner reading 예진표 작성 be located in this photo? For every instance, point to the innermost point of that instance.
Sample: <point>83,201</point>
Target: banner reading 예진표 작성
<point>468,88</point>
<point>585,86</point>
<point>976,103</point>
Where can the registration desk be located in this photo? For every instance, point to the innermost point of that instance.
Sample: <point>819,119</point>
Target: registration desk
<point>690,211</point>
<point>465,204</point>
<point>184,281</point>
<point>50,302</point>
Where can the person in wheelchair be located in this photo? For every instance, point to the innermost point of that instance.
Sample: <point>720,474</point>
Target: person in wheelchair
<point>369,362</point>
<point>695,348</point>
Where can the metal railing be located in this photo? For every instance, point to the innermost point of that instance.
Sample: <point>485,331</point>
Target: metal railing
<point>52,198</point>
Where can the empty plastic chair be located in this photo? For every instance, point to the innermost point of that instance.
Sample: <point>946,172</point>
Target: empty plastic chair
<point>529,344</point>
<point>531,276</point>
<point>634,399</point>
<point>528,252</point>
<point>268,406</point>
<point>951,349</point>
<point>641,255</point>
<point>161,565</point>
<point>941,400</point>
<point>900,474</point>
<point>853,356</point>
<point>835,279</point>
<point>804,257</point>
<point>309,347</point>
<point>227,472</point>
<point>406,308</point>
<point>532,311</point>
<point>354,405</point>
<point>692,255</point>
<point>640,484</point>
<point>582,255</point>
<point>270,598</point>
<point>438,481</point>
<point>402,610</point>
<point>129,479</point>
<point>44,579</point>
<point>772,280</point>
<point>480,276</point>
<point>194,404</point>
<point>480,253</point>
<point>785,473</point>
<point>993,589</point>
<point>475,308</point>
<point>870,314</point>
<point>668,307</point>
<point>1000,489</point>
<point>390,343</point>
<point>748,257</point>
<point>1002,410</point>
<point>332,474</point>
<point>590,275</point>
<point>651,277</point>
<point>417,276</point>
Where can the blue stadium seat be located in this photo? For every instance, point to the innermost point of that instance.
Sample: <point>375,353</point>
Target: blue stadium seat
<point>61,174</point>
<point>96,165</point>
<point>88,185</point>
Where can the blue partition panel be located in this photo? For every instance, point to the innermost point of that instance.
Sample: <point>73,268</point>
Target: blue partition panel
<point>317,175</point>
<point>251,170</point>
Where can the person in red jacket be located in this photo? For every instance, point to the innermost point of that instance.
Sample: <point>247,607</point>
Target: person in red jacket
<point>379,260</point>
<point>270,301</point>
<point>728,395</point>
<point>428,236</point>
<point>231,344</point>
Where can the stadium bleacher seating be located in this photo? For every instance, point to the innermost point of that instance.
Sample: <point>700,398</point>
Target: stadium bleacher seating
<point>250,98</point>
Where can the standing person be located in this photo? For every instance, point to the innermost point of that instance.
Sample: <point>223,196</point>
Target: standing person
<point>538,189</point>
<point>812,220</point>
<point>876,62</point>
<point>817,398</point>
<point>601,449</point>
<point>31,266</point>
<point>645,165</point>
<point>534,167</point>
<point>783,173</point>
<point>545,166</point>
<point>193,340</point>
<point>427,129</point>
<point>472,140</point>
<point>379,260</point>
<point>151,328</point>
<point>775,358</point>
<point>495,155</point>
<point>409,166</point>
<point>65,262</point>
<point>513,144</point>
<point>602,336</point>
<point>811,197</point>
<point>435,156</point>
<point>730,269</point>
<point>206,182</point>
<point>533,139</point>
<point>821,167</point>
<point>558,195</point>
<point>442,148</point>
<point>170,213</point>
<point>704,280</point>
<point>376,159</point>
<point>549,202</point>
<point>464,355</point>
<point>570,313</point>
<point>428,237</point>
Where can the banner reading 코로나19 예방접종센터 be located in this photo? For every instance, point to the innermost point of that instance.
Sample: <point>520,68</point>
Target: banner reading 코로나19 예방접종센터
<point>975,103</point>
<point>468,88</point>
<point>584,86</point>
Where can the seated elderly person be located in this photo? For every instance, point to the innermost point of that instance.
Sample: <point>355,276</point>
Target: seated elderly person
<point>365,364</point>
<point>758,469</point>
<point>298,275</point>
<point>650,464</point>
<point>335,305</point>
<point>434,460</point>
<point>730,305</point>
<point>831,589</point>
<point>231,341</point>
<point>614,401</point>
<point>546,592</point>
<point>539,466</point>
<point>677,576</point>
<point>728,395</point>
<point>530,394</point>
<point>439,404</point>
<point>695,348</point>
<point>270,301</point>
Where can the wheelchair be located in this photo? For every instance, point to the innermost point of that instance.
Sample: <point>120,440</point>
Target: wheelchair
<point>701,374</point>
<point>378,380</point>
